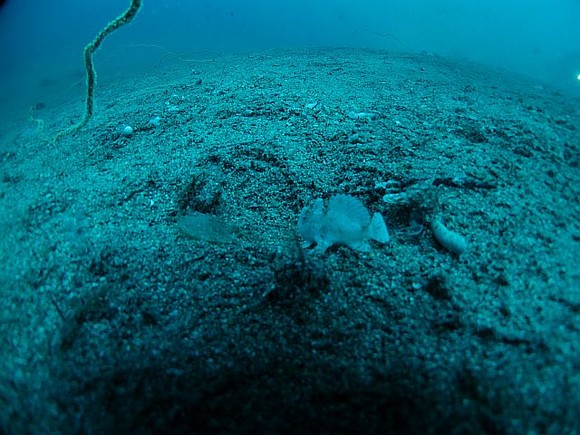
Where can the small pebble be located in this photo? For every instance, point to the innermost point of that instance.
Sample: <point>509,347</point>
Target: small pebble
<point>127,131</point>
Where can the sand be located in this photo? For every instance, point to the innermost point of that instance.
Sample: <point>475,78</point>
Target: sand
<point>155,280</point>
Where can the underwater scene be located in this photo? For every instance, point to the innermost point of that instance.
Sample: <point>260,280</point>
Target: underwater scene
<point>289,217</point>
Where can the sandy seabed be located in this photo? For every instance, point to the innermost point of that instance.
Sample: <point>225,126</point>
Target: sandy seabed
<point>155,281</point>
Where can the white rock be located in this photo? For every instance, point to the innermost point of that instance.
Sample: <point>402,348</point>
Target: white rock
<point>127,131</point>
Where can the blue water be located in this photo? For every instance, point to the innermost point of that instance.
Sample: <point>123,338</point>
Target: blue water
<point>41,39</point>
